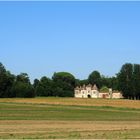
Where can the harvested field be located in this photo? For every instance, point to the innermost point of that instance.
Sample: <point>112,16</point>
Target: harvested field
<point>78,102</point>
<point>68,129</point>
<point>58,118</point>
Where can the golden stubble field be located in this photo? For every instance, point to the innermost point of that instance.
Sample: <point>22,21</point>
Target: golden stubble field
<point>68,129</point>
<point>19,118</point>
<point>77,102</point>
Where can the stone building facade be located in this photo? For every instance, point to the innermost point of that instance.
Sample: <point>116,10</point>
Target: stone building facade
<point>90,91</point>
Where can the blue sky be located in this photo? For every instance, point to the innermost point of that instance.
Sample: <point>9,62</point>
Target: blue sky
<point>41,38</point>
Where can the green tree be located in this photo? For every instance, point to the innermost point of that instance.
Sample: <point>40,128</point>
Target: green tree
<point>2,68</point>
<point>83,82</point>
<point>105,81</point>
<point>22,86</point>
<point>125,80</point>
<point>23,77</point>
<point>6,82</point>
<point>36,83</point>
<point>43,87</point>
<point>95,78</point>
<point>104,89</point>
<point>136,81</point>
<point>63,84</point>
<point>114,83</point>
<point>23,90</point>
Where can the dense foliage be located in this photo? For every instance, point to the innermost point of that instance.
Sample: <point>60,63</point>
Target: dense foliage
<point>62,84</point>
<point>129,81</point>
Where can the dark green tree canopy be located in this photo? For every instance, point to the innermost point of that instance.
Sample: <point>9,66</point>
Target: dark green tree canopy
<point>95,78</point>
<point>129,80</point>
<point>2,68</point>
<point>6,82</point>
<point>22,86</point>
<point>23,77</point>
<point>64,84</point>
<point>43,87</point>
<point>21,89</point>
<point>65,77</point>
<point>36,83</point>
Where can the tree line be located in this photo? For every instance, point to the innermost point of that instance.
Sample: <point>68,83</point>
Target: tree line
<point>62,84</point>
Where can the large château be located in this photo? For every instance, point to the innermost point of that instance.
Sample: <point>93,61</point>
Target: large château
<point>91,91</point>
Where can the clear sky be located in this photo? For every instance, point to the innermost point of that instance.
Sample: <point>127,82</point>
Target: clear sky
<point>41,38</point>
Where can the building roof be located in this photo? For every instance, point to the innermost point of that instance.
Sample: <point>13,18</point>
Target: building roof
<point>84,87</point>
<point>89,85</point>
<point>77,88</point>
<point>94,87</point>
